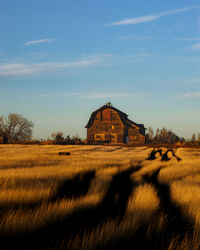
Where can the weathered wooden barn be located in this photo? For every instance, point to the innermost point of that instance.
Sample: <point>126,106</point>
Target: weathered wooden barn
<point>110,125</point>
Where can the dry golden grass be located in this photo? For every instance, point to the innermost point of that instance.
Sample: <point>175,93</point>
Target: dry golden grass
<point>29,175</point>
<point>23,195</point>
<point>17,222</point>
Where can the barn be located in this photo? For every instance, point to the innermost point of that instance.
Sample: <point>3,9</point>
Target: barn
<point>110,125</point>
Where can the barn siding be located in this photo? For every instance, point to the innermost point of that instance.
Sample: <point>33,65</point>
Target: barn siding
<point>107,125</point>
<point>135,137</point>
<point>107,122</point>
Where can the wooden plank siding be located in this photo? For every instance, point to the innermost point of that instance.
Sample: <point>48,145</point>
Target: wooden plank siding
<point>106,122</point>
<point>110,125</point>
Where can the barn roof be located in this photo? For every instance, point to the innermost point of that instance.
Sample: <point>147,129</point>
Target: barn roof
<point>123,116</point>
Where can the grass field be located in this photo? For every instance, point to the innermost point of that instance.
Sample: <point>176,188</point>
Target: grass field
<point>99,197</point>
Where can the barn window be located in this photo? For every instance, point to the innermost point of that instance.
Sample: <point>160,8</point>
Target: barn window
<point>99,137</point>
<point>113,127</point>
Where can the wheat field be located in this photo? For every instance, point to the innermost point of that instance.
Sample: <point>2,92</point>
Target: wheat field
<point>98,197</point>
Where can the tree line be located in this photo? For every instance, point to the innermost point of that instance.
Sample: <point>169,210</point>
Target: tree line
<point>165,136</point>
<point>16,128</point>
<point>59,138</point>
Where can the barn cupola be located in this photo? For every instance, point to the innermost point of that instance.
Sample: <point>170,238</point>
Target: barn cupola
<point>109,104</point>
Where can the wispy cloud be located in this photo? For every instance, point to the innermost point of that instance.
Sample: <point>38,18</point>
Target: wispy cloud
<point>190,95</point>
<point>188,39</point>
<point>17,69</point>
<point>195,47</point>
<point>91,95</point>
<point>46,40</point>
<point>129,59</point>
<point>10,70</point>
<point>132,37</point>
<point>152,17</point>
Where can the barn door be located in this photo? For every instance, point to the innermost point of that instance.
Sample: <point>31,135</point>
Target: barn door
<point>113,138</point>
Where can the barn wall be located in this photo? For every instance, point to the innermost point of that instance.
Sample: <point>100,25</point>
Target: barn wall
<point>109,124</point>
<point>135,137</point>
<point>108,127</point>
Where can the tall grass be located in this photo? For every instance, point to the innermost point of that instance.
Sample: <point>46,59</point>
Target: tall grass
<point>31,175</point>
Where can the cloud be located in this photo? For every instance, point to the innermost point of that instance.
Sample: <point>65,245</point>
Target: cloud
<point>116,60</point>
<point>188,39</point>
<point>92,95</point>
<point>150,18</point>
<point>46,40</point>
<point>11,70</point>
<point>19,70</point>
<point>195,47</point>
<point>190,95</point>
<point>142,37</point>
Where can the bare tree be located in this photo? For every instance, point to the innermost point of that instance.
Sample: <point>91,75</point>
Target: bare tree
<point>162,136</point>
<point>149,135</point>
<point>193,137</point>
<point>16,127</point>
<point>58,137</point>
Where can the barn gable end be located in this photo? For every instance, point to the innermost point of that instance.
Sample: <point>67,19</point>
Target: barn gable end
<point>110,125</point>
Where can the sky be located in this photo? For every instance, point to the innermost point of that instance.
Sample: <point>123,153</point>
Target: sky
<point>61,60</point>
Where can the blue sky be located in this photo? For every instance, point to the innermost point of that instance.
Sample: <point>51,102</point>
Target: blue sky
<point>61,60</point>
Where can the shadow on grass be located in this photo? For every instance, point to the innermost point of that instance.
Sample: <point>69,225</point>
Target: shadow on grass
<point>164,156</point>
<point>75,187</point>
<point>167,224</point>
<point>177,226</point>
<point>71,188</point>
<point>112,206</point>
<point>152,155</point>
<point>116,198</point>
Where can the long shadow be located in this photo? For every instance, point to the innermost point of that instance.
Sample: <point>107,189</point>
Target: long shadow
<point>178,226</point>
<point>152,155</point>
<point>70,188</point>
<point>75,187</point>
<point>113,206</point>
<point>165,156</point>
<point>117,195</point>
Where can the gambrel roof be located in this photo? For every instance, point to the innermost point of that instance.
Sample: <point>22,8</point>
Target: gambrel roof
<point>122,115</point>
